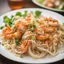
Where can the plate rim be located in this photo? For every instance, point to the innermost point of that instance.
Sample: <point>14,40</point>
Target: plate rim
<point>52,9</point>
<point>28,9</point>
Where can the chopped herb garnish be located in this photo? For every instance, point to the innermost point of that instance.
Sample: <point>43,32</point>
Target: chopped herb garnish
<point>6,19</point>
<point>25,13</point>
<point>37,13</point>
<point>33,37</point>
<point>1,27</point>
<point>3,44</point>
<point>38,22</point>
<point>12,17</point>
<point>18,14</point>
<point>21,56</point>
<point>17,41</point>
<point>32,27</point>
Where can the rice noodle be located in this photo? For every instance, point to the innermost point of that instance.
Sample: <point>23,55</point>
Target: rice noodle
<point>42,49</point>
<point>43,54</point>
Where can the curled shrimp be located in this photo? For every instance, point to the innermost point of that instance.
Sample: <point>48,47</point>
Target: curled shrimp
<point>43,37</point>
<point>24,45</point>
<point>8,32</point>
<point>39,31</point>
<point>21,25</point>
<point>17,34</point>
<point>48,29</point>
<point>53,24</point>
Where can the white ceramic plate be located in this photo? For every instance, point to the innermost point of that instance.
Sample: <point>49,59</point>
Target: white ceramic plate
<point>6,53</point>
<point>37,3</point>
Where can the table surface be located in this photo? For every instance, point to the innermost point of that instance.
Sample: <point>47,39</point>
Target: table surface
<point>5,8</point>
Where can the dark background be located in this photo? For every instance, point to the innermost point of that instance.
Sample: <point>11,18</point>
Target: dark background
<point>5,8</point>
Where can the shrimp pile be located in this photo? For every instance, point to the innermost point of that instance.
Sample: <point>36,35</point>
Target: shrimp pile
<point>33,36</point>
<point>57,4</point>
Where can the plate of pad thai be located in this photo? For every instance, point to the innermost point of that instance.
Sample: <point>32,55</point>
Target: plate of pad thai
<point>32,35</point>
<point>55,5</point>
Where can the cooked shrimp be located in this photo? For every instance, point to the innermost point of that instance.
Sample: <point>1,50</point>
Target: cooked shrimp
<point>49,3</point>
<point>21,25</point>
<point>48,29</point>
<point>39,31</point>
<point>24,45</point>
<point>28,18</point>
<point>50,19</point>
<point>54,24</point>
<point>8,32</point>
<point>17,34</point>
<point>43,37</point>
